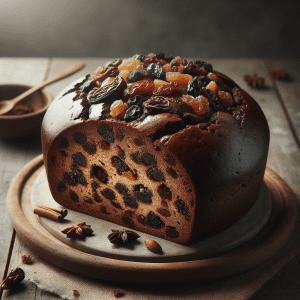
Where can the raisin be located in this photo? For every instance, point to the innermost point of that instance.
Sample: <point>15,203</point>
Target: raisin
<point>64,143</point>
<point>79,159</point>
<point>170,89</point>
<point>141,219</point>
<point>129,64</point>
<point>99,173</point>
<point>119,164</point>
<point>97,198</point>
<point>164,212</point>
<point>74,197</point>
<point>61,186</point>
<point>88,86</point>
<point>133,113</point>
<point>139,56</point>
<point>128,222</point>
<point>143,193</point>
<point>121,188</point>
<point>179,78</point>
<point>115,63</point>
<point>167,68</point>
<point>170,160</point>
<point>130,201</point>
<point>69,178</point>
<point>196,85</point>
<point>136,100</point>
<point>225,98</point>
<point>109,92</point>
<point>172,232</point>
<point>168,59</point>
<point>138,141</point>
<point>135,157</point>
<point>214,101</point>
<point>105,145</point>
<point>79,138</point>
<point>155,174</point>
<point>95,185</point>
<point>157,105</point>
<point>142,87</point>
<point>78,175</point>
<point>156,71</point>
<point>172,173</point>
<point>160,55</point>
<point>120,135</point>
<point>107,133</point>
<point>154,220</point>
<point>181,207</point>
<point>109,194</point>
<point>204,65</point>
<point>88,200</point>
<point>109,71</point>
<point>118,109</point>
<point>164,192</point>
<point>89,148</point>
<point>147,159</point>
<point>137,75</point>
<point>116,204</point>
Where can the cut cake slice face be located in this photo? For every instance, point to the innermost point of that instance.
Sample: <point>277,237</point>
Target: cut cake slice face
<point>115,172</point>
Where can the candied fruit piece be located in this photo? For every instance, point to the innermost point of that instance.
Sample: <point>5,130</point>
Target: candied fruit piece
<point>181,79</point>
<point>225,98</point>
<point>108,80</point>
<point>137,75</point>
<point>212,86</point>
<point>201,105</point>
<point>180,68</point>
<point>158,83</point>
<point>188,99</point>
<point>177,61</point>
<point>157,105</point>
<point>142,87</point>
<point>171,88</point>
<point>167,68</point>
<point>129,64</point>
<point>129,175</point>
<point>98,72</point>
<point>110,71</point>
<point>118,109</point>
<point>212,77</point>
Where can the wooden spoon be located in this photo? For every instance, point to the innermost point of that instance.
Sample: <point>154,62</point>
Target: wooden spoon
<point>8,105</point>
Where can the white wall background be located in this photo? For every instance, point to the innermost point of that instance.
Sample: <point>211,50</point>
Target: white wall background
<point>113,28</point>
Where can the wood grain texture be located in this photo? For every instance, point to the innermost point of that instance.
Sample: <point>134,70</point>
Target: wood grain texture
<point>15,154</point>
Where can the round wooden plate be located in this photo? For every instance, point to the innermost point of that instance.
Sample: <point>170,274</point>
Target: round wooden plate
<point>265,244</point>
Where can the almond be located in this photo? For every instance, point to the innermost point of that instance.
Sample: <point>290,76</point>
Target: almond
<point>153,246</point>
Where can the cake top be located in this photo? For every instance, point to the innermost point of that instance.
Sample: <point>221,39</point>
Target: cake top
<point>132,89</point>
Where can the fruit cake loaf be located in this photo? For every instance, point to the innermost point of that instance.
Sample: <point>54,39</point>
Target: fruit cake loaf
<point>158,144</point>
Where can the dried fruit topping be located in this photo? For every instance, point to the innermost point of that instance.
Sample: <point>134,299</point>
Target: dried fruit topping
<point>115,63</point>
<point>193,69</point>
<point>196,85</point>
<point>137,75</point>
<point>160,55</point>
<point>177,61</point>
<point>118,109</point>
<point>136,100</point>
<point>143,87</point>
<point>212,86</point>
<point>129,64</point>
<point>110,71</point>
<point>167,68</point>
<point>139,56</point>
<point>13,279</point>
<point>109,92</point>
<point>133,113</point>
<point>214,101</point>
<point>124,74</point>
<point>88,85</point>
<point>169,89</point>
<point>153,246</point>
<point>156,71</point>
<point>179,78</point>
<point>201,105</point>
<point>168,59</point>
<point>204,65</point>
<point>81,230</point>
<point>122,236</point>
<point>226,98</point>
<point>212,76</point>
<point>255,81</point>
<point>108,80</point>
<point>158,83</point>
<point>150,59</point>
<point>157,105</point>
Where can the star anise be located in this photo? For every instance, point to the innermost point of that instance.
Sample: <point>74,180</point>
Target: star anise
<point>13,279</point>
<point>81,230</point>
<point>255,81</point>
<point>280,74</point>
<point>122,236</point>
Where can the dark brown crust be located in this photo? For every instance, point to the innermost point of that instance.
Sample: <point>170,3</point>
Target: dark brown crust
<point>225,159</point>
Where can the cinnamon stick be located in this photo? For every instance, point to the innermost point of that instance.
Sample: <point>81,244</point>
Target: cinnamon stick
<point>61,211</point>
<point>51,213</point>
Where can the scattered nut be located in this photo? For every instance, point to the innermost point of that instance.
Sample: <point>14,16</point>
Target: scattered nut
<point>153,246</point>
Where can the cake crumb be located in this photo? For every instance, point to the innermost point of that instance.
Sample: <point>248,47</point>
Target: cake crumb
<point>27,260</point>
<point>75,293</point>
<point>118,293</point>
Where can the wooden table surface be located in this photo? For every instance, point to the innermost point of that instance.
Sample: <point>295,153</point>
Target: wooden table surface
<point>280,101</point>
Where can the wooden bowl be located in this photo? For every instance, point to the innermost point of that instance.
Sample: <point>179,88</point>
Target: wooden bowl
<point>15,126</point>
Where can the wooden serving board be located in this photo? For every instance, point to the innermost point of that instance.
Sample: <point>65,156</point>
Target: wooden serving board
<point>134,269</point>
